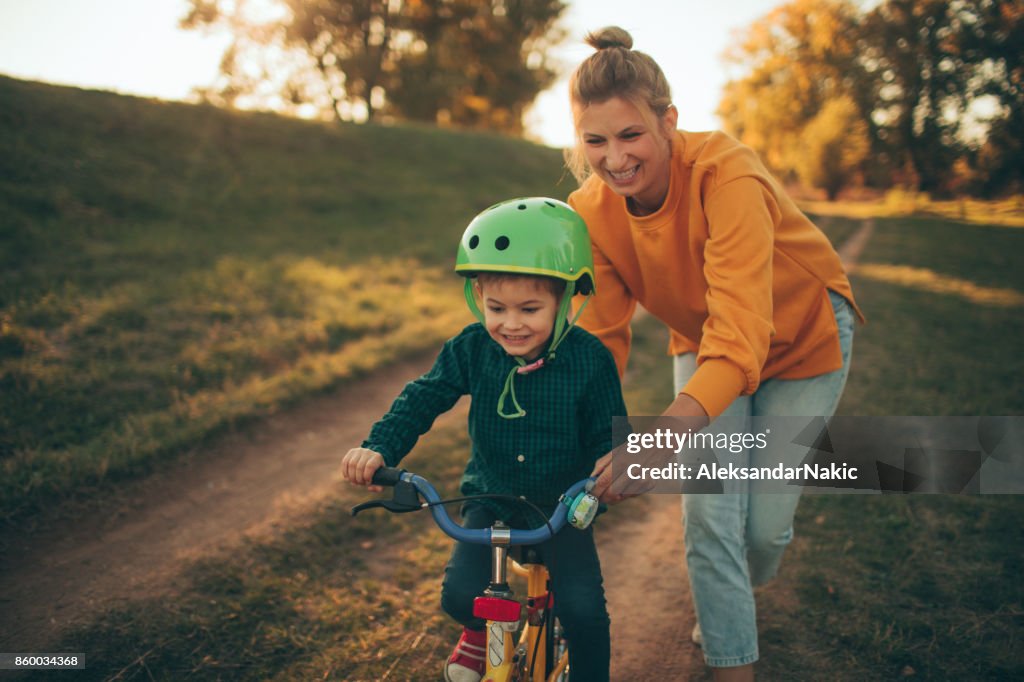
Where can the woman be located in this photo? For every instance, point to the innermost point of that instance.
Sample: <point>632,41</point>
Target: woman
<point>694,228</point>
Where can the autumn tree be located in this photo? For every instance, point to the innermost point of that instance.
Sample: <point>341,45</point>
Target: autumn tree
<point>990,37</point>
<point>934,64</point>
<point>796,58</point>
<point>477,64</point>
<point>349,42</point>
<point>834,146</point>
<point>917,86</point>
<point>938,84</point>
<point>468,62</point>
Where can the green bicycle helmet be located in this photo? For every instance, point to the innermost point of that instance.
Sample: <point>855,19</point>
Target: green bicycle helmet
<point>534,236</point>
<point>529,236</point>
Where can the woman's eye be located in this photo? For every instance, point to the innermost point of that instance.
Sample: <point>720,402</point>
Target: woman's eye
<point>529,311</point>
<point>593,141</point>
<point>494,309</point>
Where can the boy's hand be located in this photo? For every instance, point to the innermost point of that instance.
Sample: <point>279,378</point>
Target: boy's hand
<point>358,465</point>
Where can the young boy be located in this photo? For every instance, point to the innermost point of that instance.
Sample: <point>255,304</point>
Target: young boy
<point>543,396</point>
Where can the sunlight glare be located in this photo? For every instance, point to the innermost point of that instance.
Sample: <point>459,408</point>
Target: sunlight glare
<point>928,280</point>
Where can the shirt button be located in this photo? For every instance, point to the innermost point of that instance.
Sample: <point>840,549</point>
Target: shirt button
<point>521,458</point>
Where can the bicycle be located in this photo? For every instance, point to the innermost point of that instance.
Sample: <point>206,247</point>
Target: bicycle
<point>540,653</point>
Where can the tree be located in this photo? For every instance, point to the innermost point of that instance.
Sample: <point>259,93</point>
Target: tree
<point>990,36</point>
<point>479,64</point>
<point>251,75</point>
<point>349,41</point>
<point>834,146</point>
<point>916,86</point>
<point>327,55</point>
<point>797,57</point>
<point>938,84</point>
<point>469,62</point>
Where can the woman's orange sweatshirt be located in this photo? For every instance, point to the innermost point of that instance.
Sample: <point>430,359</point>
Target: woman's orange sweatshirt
<point>728,262</point>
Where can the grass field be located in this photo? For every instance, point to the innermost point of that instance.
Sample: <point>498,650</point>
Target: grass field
<point>172,271</point>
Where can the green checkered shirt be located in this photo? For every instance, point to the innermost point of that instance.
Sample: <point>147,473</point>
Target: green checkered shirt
<point>569,404</point>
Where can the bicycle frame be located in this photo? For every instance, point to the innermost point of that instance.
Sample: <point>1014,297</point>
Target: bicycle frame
<point>538,602</point>
<point>507,658</point>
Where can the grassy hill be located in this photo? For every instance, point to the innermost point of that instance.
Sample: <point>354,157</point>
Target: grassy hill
<point>169,269</point>
<point>87,174</point>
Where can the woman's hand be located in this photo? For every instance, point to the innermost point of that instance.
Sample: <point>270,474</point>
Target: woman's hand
<point>623,489</point>
<point>684,407</point>
<point>358,466</point>
<point>603,472</point>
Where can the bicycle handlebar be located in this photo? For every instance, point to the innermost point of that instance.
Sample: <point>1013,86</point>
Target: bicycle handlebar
<point>393,477</point>
<point>388,476</point>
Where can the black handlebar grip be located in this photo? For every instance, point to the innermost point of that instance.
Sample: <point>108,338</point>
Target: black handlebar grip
<point>389,476</point>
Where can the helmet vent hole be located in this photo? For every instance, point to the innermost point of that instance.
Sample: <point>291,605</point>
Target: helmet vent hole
<point>521,207</point>
<point>550,204</point>
<point>474,241</point>
<point>501,243</point>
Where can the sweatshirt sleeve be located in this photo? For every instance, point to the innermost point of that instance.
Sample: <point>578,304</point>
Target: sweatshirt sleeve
<point>421,401</point>
<point>738,269</point>
<point>610,310</point>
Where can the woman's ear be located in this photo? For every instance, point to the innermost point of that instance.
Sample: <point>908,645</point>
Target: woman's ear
<point>669,120</point>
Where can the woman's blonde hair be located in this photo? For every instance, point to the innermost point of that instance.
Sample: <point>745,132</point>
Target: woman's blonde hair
<point>615,70</point>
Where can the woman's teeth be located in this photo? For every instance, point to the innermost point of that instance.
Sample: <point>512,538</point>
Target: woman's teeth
<point>624,175</point>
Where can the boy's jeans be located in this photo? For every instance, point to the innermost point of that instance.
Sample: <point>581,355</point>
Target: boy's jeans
<point>576,581</point>
<point>735,540</point>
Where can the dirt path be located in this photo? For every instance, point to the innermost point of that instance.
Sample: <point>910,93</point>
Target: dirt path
<point>59,574</point>
<point>134,545</point>
<point>649,593</point>
<point>849,252</point>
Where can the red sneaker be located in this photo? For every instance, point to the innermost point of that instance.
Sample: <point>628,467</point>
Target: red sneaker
<point>467,661</point>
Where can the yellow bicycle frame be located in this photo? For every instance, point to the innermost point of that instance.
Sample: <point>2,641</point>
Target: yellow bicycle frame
<point>505,655</point>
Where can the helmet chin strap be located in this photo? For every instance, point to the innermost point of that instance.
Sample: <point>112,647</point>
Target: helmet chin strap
<point>471,301</point>
<point>561,328</point>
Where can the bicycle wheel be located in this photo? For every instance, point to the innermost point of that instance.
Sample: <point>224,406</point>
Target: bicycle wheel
<point>558,652</point>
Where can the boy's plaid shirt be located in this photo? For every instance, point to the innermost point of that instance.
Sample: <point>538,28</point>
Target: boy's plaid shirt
<point>569,404</point>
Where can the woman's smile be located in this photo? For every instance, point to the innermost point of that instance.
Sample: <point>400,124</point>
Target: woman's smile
<point>624,176</point>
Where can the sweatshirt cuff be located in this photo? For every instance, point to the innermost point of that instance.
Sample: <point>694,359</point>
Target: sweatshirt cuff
<point>716,383</point>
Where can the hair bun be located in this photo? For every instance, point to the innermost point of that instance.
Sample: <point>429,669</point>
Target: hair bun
<point>610,36</point>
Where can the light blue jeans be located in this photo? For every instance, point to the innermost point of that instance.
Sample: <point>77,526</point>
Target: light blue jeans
<point>735,540</point>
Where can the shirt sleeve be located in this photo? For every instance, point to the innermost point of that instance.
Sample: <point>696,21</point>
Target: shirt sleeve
<point>602,401</point>
<point>421,401</point>
<point>738,269</point>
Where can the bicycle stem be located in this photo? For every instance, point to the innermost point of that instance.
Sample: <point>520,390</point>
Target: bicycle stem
<point>501,538</point>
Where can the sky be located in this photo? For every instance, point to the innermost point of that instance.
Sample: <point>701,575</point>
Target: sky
<point>135,47</point>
